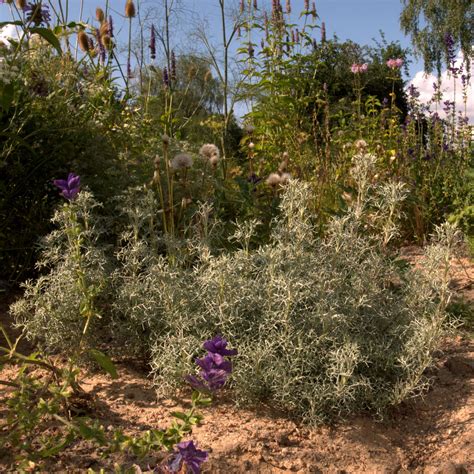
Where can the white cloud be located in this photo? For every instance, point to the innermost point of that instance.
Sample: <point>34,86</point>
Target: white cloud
<point>451,89</point>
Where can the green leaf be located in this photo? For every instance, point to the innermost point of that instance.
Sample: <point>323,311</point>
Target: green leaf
<point>49,36</point>
<point>105,362</point>
<point>180,415</point>
<point>6,23</point>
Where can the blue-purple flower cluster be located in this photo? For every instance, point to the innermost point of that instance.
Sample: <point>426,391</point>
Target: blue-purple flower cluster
<point>215,368</point>
<point>37,13</point>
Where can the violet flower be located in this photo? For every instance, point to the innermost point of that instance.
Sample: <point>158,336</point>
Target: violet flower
<point>215,368</point>
<point>189,456</point>
<point>217,345</point>
<point>69,187</point>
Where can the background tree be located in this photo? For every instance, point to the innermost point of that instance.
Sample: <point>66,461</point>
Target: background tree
<point>429,22</point>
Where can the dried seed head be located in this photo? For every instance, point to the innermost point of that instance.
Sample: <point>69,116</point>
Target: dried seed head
<point>251,145</point>
<point>130,10</point>
<point>107,42</point>
<point>347,197</point>
<point>181,161</point>
<point>273,180</point>
<point>285,178</point>
<point>360,144</point>
<point>249,129</point>
<point>21,4</point>
<point>83,41</point>
<point>104,28</point>
<point>214,160</point>
<point>284,164</point>
<point>99,15</point>
<point>165,138</point>
<point>157,161</point>
<point>209,150</point>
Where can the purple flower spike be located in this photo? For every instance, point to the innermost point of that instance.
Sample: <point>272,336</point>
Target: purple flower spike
<point>217,345</point>
<point>188,455</point>
<point>69,187</point>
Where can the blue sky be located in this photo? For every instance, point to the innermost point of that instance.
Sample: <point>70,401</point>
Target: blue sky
<point>358,20</point>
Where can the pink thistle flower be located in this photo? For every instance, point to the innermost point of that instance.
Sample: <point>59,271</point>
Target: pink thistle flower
<point>395,63</point>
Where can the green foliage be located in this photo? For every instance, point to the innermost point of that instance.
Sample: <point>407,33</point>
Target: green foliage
<point>62,117</point>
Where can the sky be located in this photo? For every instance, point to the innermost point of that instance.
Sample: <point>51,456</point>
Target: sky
<point>358,20</point>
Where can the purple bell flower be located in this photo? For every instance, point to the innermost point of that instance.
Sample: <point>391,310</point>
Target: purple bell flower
<point>217,345</point>
<point>69,187</point>
<point>189,456</point>
<point>215,368</point>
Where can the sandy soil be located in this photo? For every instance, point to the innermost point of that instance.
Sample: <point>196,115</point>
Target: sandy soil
<point>434,434</point>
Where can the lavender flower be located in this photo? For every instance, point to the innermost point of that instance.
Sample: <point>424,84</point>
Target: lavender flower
<point>111,26</point>
<point>450,53</point>
<point>166,77</point>
<point>188,455</point>
<point>413,92</point>
<point>69,187</point>
<point>101,46</point>
<point>323,32</point>
<point>448,106</point>
<point>173,66</point>
<point>152,44</point>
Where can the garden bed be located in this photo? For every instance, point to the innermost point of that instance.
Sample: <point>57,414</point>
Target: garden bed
<point>432,434</point>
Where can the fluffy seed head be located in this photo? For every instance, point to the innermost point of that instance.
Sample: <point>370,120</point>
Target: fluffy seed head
<point>209,150</point>
<point>285,178</point>
<point>181,161</point>
<point>284,164</point>
<point>273,180</point>
<point>360,144</point>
